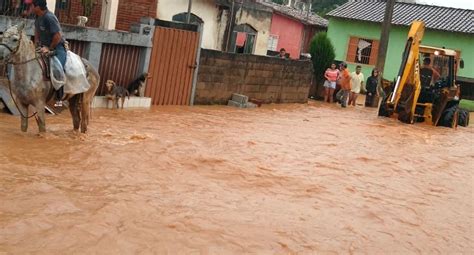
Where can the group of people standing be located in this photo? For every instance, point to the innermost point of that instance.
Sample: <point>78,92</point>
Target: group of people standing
<point>351,85</point>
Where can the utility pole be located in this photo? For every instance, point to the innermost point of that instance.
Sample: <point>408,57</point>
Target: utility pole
<point>309,6</point>
<point>188,16</point>
<point>384,38</point>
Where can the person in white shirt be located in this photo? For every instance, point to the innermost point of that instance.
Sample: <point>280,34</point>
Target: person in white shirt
<point>357,80</point>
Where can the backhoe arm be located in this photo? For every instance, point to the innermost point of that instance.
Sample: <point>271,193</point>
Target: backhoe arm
<point>402,101</point>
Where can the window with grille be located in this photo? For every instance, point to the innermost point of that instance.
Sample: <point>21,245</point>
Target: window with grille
<point>243,39</point>
<point>272,42</point>
<point>362,51</point>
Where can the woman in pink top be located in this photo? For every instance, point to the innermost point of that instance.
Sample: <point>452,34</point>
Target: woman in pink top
<point>331,76</point>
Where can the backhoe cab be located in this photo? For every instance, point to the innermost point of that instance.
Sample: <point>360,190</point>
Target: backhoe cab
<point>425,89</point>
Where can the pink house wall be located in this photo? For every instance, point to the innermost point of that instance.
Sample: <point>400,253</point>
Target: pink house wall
<point>290,34</point>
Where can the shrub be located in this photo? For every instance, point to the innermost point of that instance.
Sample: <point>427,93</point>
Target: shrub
<point>322,55</point>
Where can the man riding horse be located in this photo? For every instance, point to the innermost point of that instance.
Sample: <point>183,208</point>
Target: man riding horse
<point>48,36</point>
<point>26,73</point>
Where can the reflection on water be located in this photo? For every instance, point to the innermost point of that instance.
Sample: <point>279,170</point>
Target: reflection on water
<point>215,180</point>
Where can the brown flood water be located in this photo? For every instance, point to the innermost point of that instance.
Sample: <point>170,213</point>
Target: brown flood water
<point>289,179</point>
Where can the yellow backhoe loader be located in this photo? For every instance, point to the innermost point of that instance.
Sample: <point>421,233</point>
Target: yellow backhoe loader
<point>425,89</point>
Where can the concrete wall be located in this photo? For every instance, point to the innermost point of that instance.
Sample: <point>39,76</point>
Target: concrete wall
<point>261,21</point>
<point>207,10</point>
<point>290,34</point>
<point>340,30</point>
<point>272,80</point>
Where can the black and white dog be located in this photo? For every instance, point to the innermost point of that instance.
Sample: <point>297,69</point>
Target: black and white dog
<point>137,85</point>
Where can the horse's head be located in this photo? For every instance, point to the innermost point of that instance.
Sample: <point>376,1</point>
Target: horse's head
<point>10,40</point>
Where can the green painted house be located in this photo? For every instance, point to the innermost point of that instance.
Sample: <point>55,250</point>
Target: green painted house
<point>355,27</point>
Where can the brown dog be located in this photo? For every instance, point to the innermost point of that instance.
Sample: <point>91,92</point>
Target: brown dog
<point>114,93</point>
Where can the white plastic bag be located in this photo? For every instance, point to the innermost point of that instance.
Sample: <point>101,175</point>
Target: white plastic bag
<point>76,75</point>
<point>58,77</point>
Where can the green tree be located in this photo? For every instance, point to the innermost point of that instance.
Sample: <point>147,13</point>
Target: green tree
<point>322,55</point>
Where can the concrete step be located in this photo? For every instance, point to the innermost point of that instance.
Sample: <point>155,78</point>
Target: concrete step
<point>239,105</point>
<point>242,99</point>
<point>235,104</point>
<point>134,102</point>
<point>250,105</point>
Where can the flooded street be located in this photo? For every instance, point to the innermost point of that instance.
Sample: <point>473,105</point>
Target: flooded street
<point>284,179</point>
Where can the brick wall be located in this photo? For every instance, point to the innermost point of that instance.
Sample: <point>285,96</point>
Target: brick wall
<point>269,79</point>
<point>129,11</point>
<point>69,14</point>
<point>132,10</point>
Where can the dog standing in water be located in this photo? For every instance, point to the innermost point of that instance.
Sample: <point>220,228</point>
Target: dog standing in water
<point>114,93</point>
<point>135,87</point>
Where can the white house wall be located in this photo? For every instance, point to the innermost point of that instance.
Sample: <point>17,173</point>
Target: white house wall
<point>221,27</point>
<point>204,9</point>
<point>260,21</point>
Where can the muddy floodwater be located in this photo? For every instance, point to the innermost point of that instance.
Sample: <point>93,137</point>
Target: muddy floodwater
<point>281,179</point>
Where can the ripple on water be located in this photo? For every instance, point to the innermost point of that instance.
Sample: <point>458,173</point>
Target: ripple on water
<point>211,179</point>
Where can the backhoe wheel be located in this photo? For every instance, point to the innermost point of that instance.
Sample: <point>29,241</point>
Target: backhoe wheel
<point>450,117</point>
<point>463,118</point>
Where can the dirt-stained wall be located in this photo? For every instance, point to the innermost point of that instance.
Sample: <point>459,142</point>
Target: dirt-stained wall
<point>260,20</point>
<point>270,79</point>
<point>217,20</point>
<point>207,10</point>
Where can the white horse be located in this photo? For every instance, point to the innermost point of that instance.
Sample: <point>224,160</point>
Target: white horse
<point>29,86</point>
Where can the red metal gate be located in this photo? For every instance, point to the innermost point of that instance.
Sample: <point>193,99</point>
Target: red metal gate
<point>172,64</point>
<point>78,47</point>
<point>118,63</point>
